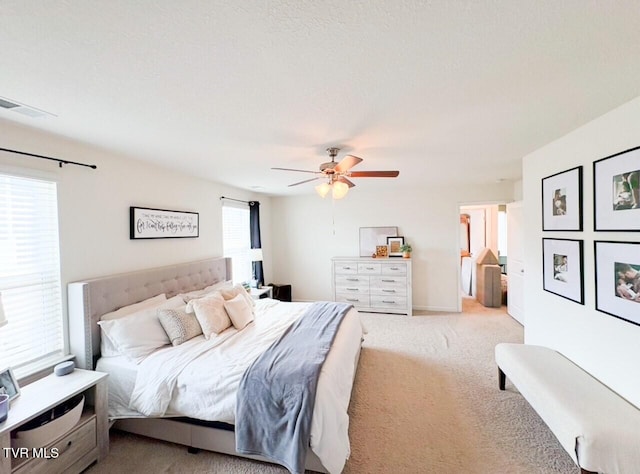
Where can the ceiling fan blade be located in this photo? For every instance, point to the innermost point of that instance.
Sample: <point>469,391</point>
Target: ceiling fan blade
<point>374,174</point>
<point>344,180</point>
<point>291,169</point>
<point>347,163</point>
<point>302,182</point>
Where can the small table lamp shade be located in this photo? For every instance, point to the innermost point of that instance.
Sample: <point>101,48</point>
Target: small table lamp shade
<point>255,255</point>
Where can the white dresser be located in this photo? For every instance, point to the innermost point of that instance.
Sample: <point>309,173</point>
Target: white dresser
<point>379,285</point>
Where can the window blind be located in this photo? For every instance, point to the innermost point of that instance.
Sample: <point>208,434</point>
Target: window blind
<point>30,274</point>
<point>236,239</point>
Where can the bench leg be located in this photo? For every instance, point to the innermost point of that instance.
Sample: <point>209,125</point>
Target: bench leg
<point>501,379</point>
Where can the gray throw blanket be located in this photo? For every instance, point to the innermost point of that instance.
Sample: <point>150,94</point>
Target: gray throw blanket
<point>277,393</point>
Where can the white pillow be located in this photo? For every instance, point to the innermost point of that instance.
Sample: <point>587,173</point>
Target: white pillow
<point>210,313</point>
<point>239,311</point>
<point>205,291</point>
<point>133,308</point>
<point>107,349</point>
<point>139,334</point>
<point>229,293</point>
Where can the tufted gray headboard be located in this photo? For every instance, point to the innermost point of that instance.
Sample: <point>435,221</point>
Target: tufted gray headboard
<point>90,299</point>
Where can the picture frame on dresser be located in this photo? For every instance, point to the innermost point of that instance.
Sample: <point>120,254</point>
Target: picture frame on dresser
<point>616,192</point>
<point>617,273</point>
<point>371,237</point>
<point>563,268</point>
<point>395,244</point>
<point>562,201</point>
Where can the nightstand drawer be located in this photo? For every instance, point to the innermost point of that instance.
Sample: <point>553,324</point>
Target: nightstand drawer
<point>79,442</point>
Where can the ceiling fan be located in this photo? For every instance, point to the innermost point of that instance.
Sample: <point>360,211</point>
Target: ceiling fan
<point>337,174</point>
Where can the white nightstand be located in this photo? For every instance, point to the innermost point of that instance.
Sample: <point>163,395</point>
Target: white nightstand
<point>75,450</point>
<point>257,293</point>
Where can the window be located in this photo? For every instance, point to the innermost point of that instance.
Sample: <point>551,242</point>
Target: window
<point>30,274</point>
<point>236,239</point>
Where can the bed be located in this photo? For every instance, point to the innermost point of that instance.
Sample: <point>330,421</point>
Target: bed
<point>194,424</point>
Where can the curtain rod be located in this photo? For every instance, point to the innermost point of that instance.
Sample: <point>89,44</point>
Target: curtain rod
<point>60,162</point>
<point>237,200</point>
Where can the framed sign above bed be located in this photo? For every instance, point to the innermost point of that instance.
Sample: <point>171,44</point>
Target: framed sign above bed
<point>145,223</point>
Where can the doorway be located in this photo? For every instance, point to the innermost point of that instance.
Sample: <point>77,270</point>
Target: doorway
<point>483,234</point>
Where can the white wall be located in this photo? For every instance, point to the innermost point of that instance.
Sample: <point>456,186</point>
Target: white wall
<point>308,231</point>
<point>606,347</point>
<point>94,206</point>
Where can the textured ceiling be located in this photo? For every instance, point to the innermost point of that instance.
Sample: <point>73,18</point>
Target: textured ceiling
<point>440,90</point>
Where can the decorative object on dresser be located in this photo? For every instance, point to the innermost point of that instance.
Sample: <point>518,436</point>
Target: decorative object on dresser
<point>406,250</point>
<point>395,245</point>
<point>145,223</point>
<point>616,192</point>
<point>370,237</point>
<point>372,285</point>
<point>382,251</point>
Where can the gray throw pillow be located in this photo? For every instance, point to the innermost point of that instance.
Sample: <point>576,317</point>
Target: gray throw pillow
<point>179,326</point>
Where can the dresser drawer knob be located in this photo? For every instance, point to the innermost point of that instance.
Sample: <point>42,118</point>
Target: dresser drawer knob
<point>353,279</point>
<point>355,300</point>
<point>346,268</point>
<point>389,302</point>
<point>370,268</point>
<point>353,289</point>
<point>389,291</point>
<point>394,268</point>
<point>389,281</point>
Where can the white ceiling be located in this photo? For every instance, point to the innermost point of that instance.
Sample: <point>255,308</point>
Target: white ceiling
<point>440,90</point>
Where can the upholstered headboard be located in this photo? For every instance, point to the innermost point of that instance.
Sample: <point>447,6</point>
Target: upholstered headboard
<point>90,299</point>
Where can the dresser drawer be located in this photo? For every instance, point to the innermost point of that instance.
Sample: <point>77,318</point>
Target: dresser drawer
<point>352,280</point>
<point>80,441</point>
<point>369,268</point>
<point>358,301</point>
<point>389,302</point>
<point>395,282</point>
<point>345,268</point>
<point>399,268</point>
<point>388,291</point>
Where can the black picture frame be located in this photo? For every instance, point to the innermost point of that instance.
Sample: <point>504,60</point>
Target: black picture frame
<point>392,243</point>
<point>616,192</point>
<point>562,207</point>
<point>9,383</point>
<point>147,223</point>
<point>563,268</point>
<point>617,294</point>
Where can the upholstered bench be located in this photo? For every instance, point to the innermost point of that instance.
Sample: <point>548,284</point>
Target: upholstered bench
<point>599,429</point>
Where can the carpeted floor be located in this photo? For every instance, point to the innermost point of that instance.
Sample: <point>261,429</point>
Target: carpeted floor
<point>425,400</point>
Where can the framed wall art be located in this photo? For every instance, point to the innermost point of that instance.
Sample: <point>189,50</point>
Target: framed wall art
<point>616,192</point>
<point>562,268</point>
<point>395,244</point>
<point>9,384</point>
<point>618,279</point>
<point>562,200</point>
<point>382,251</point>
<point>145,223</point>
<point>371,237</point>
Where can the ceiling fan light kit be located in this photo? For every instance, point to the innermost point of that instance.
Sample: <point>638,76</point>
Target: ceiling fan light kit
<point>337,174</point>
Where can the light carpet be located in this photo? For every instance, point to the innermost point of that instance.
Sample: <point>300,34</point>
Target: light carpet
<point>425,400</point>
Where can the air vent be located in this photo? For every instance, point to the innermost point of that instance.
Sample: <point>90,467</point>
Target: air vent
<point>23,109</point>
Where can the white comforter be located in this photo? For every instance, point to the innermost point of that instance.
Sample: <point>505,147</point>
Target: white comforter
<point>200,378</point>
